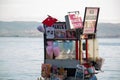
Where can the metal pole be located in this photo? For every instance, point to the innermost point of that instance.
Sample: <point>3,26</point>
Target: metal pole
<point>86,49</point>
<point>80,52</point>
<point>77,52</point>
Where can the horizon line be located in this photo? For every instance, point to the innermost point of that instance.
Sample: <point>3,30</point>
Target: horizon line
<point>59,21</point>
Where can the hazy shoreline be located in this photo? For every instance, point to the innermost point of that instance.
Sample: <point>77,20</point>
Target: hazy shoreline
<point>29,29</point>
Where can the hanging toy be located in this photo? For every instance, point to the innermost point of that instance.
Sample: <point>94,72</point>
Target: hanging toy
<point>41,28</point>
<point>55,43</point>
<point>56,49</point>
<point>68,46</point>
<point>50,43</point>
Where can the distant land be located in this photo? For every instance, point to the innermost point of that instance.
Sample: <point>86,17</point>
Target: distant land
<point>19,29</point>
<point>29,29</point>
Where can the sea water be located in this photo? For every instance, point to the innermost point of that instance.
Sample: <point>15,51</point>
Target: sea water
<point>109,49</point>
<point>21,58</point>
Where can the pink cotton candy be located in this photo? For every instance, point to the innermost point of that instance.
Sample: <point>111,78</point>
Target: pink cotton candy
<point>49,50</point>
<point>49,43</point>
<point>56,51</point>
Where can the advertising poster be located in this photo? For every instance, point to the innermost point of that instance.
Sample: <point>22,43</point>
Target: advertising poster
<point>49,32</point>
<point>73,21</point>
<point>60,30</point>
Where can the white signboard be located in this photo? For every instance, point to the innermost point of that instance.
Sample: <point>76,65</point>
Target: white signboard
<point>90,20</point>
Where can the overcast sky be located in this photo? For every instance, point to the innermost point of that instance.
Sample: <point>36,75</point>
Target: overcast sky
<point>37,10</point>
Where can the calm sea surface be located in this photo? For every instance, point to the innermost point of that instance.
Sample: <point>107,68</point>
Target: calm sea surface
<point>21,58</point>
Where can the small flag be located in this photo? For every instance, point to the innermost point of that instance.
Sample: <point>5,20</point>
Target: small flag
<point>49,21</point>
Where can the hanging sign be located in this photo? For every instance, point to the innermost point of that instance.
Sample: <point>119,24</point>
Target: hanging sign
<point>90,20</point>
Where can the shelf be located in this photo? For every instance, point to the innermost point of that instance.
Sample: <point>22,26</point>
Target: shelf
<point>66,63</point>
